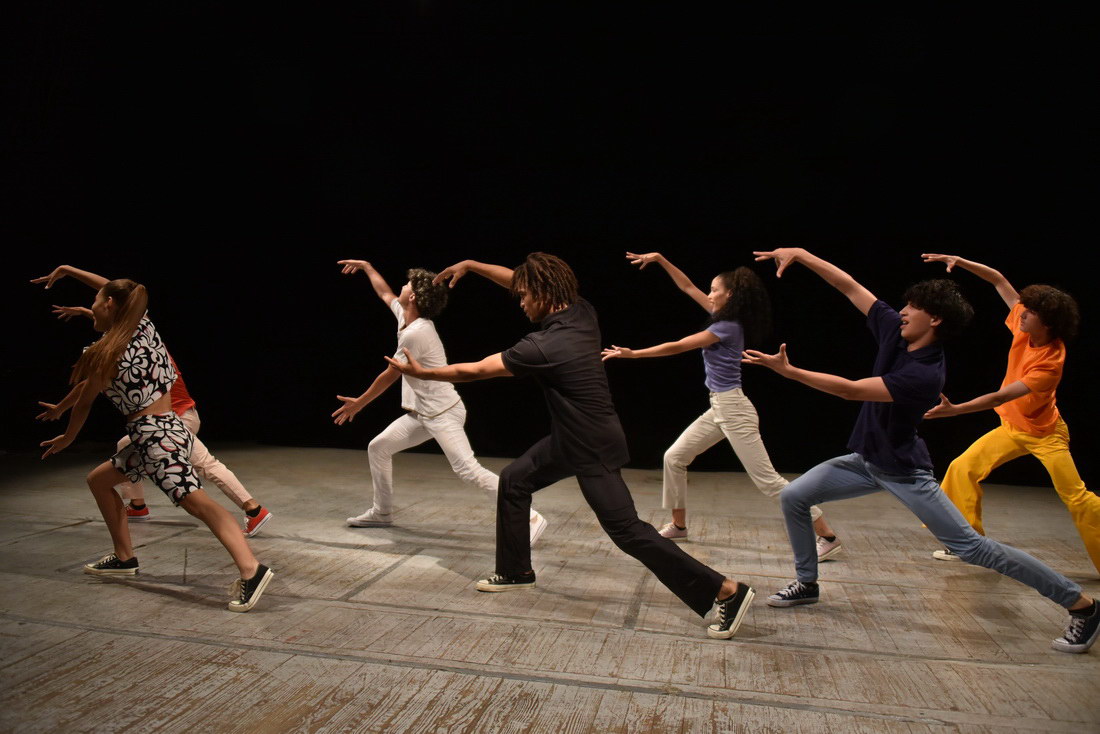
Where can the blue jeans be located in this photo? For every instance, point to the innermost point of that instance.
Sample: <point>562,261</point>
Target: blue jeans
<point>853,476</point>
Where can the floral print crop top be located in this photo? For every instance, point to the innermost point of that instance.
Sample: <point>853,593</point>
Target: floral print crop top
<point>145,371</point>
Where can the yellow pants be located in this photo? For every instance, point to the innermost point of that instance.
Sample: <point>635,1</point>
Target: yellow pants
<point>1004,443</point>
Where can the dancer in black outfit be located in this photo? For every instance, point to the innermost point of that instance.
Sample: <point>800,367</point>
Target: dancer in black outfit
<point>586,439</point>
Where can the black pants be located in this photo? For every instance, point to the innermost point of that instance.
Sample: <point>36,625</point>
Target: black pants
<point>697,585</point>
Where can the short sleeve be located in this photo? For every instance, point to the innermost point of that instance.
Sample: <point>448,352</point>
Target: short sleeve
<point>724,330</point>
<point>914,384</point>
<point>523,358</point>
<point>884,322</point>
<point>1043,377</point>
<point>399,312</point>
<point>1012,321</point>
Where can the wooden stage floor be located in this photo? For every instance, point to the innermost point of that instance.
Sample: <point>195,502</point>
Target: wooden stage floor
<point>382,630</point>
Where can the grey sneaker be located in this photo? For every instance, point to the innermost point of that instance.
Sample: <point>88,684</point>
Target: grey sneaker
<point>945,554</point>
<point>826,549</point>
<point>109,565</point>
<point>796,593</point>
<point>370,519</point>
<point>672,532</point>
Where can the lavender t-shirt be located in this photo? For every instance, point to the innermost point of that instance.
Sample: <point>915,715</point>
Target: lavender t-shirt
<point>722,359</point>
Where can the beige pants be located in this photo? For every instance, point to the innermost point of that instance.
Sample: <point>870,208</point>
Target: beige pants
<point>206,466</point>
<point>731,417</point>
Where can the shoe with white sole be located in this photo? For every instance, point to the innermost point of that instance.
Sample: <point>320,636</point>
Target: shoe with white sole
<point>731,613</point>
<point>945,554</point>
<point>370,519</point>
<point>244,593</point>
<point>826,548</point>
<point>670,531</point>
<point>796,593</point>
<point>507,582</point>
<point>538,524</point>
<point>1081,632</point>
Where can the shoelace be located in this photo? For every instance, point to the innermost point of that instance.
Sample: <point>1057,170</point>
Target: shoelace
<point>1075,628</point>
<point>795,588</point>
<point>107,559</point>
<point>236,590</point>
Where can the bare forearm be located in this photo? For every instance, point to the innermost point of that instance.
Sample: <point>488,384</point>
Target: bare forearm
<point>70,400</point>
<point>868,389</point>
<point>462,372</point>
<point>993,277</point>
<point>678,277</point>
<point>89,279</point>
<point>379,386</point>
<point>381,287</point>
<point>662,350</point>
<point>80,411</point>
<point>499,274</point>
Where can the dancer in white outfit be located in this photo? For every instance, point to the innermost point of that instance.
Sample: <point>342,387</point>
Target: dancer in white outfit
<point>433,409</point>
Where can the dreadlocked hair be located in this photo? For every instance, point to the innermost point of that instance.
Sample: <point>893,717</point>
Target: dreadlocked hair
<point>100,361</point>
<point>748,304</point>
<point>1056,309</point>
<point>545,278</point>
<point>430,299</point>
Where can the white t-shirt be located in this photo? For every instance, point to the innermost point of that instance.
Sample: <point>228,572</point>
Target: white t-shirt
<point>428,398</point>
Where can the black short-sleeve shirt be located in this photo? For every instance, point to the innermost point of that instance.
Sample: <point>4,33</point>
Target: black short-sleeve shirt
<point>886,433</point>
<point>563,357</point>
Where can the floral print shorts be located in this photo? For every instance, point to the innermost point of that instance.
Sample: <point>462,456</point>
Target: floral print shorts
<point>160,449</point>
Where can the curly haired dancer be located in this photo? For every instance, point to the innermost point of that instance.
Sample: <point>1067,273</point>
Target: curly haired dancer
<point>586,439</point>
<point>887,455</point>
<point>433,409</point>
<point>1040,318</point>
<point>740,313</point>
<point>130,365</point>
<point>208,467</point>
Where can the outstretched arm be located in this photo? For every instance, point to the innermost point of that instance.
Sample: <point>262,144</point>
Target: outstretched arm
<point>986,273</point>
<point>860,297</point>
<point>491,366</point>
<point>381,287</point>
<point>89,279</point>
<point>695,341</point>
<point>682,281</point>
<point>946,408</point>
<point>499,274</point>
<point>346,413</point>
<point>64,313</point>
<point>83,405</point>
<point>53,412</point>
<point>869,389</point>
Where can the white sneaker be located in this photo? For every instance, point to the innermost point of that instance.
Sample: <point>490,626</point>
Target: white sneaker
<point>672,532</point>
<point>370,519</point>
<point>538,524</point>
<point>945,555</point>
<point>827,549</point>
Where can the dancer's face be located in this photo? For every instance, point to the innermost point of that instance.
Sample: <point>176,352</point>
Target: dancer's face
<point>405,297</point>
<point>719,295</point>
<point>103,309</point>
<point>1031,324</point>
<point>536,310</point>
<point>916,324</point>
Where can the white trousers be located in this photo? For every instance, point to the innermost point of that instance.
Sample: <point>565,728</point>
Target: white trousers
<point>410,430</point>
<point>732,417</point>
<point>206,466</point>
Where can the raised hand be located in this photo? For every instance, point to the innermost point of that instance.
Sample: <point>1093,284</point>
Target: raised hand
<point>58,273</point>
<point>642,260</point>
<point>65,313</point>
<point>783,257</point>
<point>777,361</point>
<point>615,352</point>
<point>353,266</point>
<point>453,274</point>
<point>51,412</point>
<point>412,368</point>
<point>949,260</point>
<point>56,444</point>
<point>346,413</point>
<point>945,409</point>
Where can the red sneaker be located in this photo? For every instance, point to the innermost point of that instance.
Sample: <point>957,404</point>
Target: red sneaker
<point>133,513</point>
<point>252,525</point>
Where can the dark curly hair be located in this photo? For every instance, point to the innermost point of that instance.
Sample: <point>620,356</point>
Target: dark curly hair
<point>942,299</point>
<point>430,299</point>
<point>546,278</point>
<point>1055,308</point>
<point>749,305</point>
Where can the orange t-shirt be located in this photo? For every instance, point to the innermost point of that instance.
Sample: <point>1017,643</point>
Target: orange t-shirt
<point>181,399</point>
<point>1040,368</point>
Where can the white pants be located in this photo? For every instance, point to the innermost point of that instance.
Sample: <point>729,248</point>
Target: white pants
<point>733,417</point>
<point>206,466</point>
<point>410,430</point>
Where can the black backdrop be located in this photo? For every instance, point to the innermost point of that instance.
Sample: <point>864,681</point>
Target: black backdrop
<point>228,162</point>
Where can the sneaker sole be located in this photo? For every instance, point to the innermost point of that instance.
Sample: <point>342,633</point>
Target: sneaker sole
<point>678,539</point>
<point>716,634</point>
<point>481,586</point>
<point>789,602</point>
<point>368,524</point>
<point>1078,648</point>
<point>256,529</point>
<point>237,607</point>
<point>941,556</point>
<point>139,518</point>
<point>830,554</point>
<point>110,571</point>
<point>537,529</point>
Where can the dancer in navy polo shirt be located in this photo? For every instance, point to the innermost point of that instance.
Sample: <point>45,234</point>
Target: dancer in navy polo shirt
<point>888,455</point>
<point>586,439</point>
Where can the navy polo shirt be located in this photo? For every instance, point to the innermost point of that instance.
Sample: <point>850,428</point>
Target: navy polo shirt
<point>563,357</point>
<point>886,433</point>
